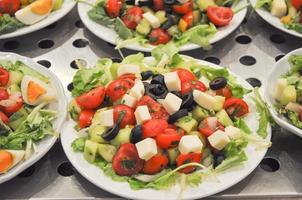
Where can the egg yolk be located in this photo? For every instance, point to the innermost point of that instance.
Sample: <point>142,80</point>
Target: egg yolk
<point>41,7</point>
<point>34,91</point>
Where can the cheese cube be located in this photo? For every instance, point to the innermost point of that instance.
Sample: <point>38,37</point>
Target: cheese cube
<point>106,118</point>
<point>152,19</point>
<point>190,144</point>
<point>172,81</point>
<point>233,132</point>
<point>172,103</point>
<point>218,140</point>
<point>204,100</point>
<point>138,90</point>
<point>128,69</point>
<point>146,148</point>
<point>182,1</point>
<point>142,114</point>
<point>128,100</point>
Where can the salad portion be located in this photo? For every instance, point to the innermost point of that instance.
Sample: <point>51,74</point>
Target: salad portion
<point>154,22</point>
<point>149,123</point>
<point>24,116</point>
<point>288,92</point>
<point>15,14</point>
<point>289,12</point>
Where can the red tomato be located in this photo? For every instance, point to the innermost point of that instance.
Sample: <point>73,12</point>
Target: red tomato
<point>159,36</point>
<point>4,118</point>
<point>184,8</point>
<point>3,94</point>
<point>226,92</point>
<point>113,8</point>
<point>127,76</point>
<point>155,164</point>
<point>169,139</point>
<point>85,118</point>
<point>9,110</point>
<point>9,6</point>
<point>158,5</point>
<point>185,75</point>
<point>156,110</point>
<point>4,76</point>
<point>297,4</point>
<point>236,107</point>
<point>220,16</point>
<point>153,127</point>
<point>132,17</point>
<point>116,89</point>
<point>188,18</point>
<point>188,158</point>
<point>91,99</point>
<point>209,125</point>
<point>128,119</point>
<point>126,161</point>
<point>190,85</point>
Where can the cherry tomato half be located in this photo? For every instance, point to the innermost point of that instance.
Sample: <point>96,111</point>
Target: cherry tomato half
<point>92,99</point>
<point>297,4</point>
<point>190,85</point>
<point>185,75</point>
<point>158,5</point>
<point>153,127</point>
<point>4,118</point>
<point>159,36</point>
<point>9,110</point>
<point>9,6</point>
<point>4,76</point>
<point>186,21</point>
<point>183,8</point>
<point>207,128</point>
<point>128,119</point>
<point>188,158</point>
<point>155,164</point>
<point>113,8</point>
<point>116,89</point>
<point>3,94</point>
<point>220,16</point>
<point>169,139</point>
<point>226,92</point>
<point>85,118</point>
<point>132,17</point>
<point>235,107</point>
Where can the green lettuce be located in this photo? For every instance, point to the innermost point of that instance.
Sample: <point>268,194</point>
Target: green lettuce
<point>296,63</point>
<point>267,4</point>
<point>78,144</point>
<point>170,49</point>
<point>134,59</point>
<point>294,118</point>
<point>9,24</point>
<point>121,29</point>
<point>240,123</point>
<point>99,15</point>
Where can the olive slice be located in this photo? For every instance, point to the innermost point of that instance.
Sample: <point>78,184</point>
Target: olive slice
<point>111,133</point>
<point>148,3</point>
<point>187,100</point>
<point>218,159</point>
<point>158,79</point>
<point>156,91</point>
<point>179,114</point>
<point>146,74</point>
<point>136,134</point>
<point>218,83</point>
<point>170,22</point>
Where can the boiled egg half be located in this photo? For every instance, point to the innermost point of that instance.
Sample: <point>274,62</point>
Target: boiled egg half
<point>34,12</point>
<point>34,91</point>
<point>10,158</point>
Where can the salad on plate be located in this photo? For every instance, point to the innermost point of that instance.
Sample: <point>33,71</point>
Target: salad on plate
<point>151,122</point>
<point>25,117</point>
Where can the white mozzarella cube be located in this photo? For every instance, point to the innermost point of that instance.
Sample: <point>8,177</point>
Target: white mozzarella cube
<point>128,100</point>
<point>146,148</point>
<point>218,140</point>
<point>190,144</point>
<point>128,69</point>
<point>138,90</point>
<point>106,118</point>
<point>172,103</point>
<point>172,81</point>
<point>204,100</point>
<point>233,132</point>
<point>142,114</point>
<point>152,19</point>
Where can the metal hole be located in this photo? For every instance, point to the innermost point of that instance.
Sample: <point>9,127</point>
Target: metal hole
<point>28,172</point>
<point>247,60</point>
<point>45,63</point>
<point>11,45</point>
<point>74,64</point>
<point>243,39</point>
<point>51,26</point>
<point>279,57</point>
<point>46,44</point>
<point>270,164</point>
<point>276,38</point>
<point>80,43</point>
<point>79,24</point>
<point>66,169</point>
<point>254,82</point>
<point>70,87</point>
<point>213,59</point>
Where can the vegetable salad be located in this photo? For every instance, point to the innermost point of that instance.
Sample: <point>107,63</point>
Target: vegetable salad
<point>149,123</point>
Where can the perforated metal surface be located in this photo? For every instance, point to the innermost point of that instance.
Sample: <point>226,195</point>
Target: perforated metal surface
<point>251,52</point>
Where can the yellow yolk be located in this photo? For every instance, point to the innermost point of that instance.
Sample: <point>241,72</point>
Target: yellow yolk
<point>41,7</point>
<point>34,91</point>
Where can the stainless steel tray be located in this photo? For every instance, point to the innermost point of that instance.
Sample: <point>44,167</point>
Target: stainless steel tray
<point>250,51</point>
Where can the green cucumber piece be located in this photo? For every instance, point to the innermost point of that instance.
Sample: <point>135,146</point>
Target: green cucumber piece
<point>90,150</point>
<point>95,133</point>
<point>187,123</point>
<point>223,118</point>
<point>143,27</point>
<point>172,155</point>
<point>17,118</point>
<point>122,137</point>
<point>106,151</point>
<point>15,77</point>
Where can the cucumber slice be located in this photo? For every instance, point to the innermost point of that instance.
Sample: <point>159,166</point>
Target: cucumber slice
<point>173,30</point>
<point>74,110</point>
<point>90,150</point>
<point>122,137</point>
<point>200,113</point>
<point>13,88</point>
<point>188,123</point>
<point>106,151</point>
<point>172,155</point>
<point>143,27</point>
<point>15,77</point>
<point>224,118</point>
<point>95,132</point>
<point>17,118</point>
<point>161,16</point>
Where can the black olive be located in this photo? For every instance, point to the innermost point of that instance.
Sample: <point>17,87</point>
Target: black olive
<point>169,2</point>
<point>148,3</point>
<point>136,134</point>
<point>218,83</point>
<point>218,159</point>
<point>187,100</point>
<point>130,2</point>
<point>191,108</point>
<point>146,86</point>
<point>146,74</point>
<point>170,22</point>
<point>179,114</point>
<point>110,133</point>
<point>300,71</point>
<point>158,79</point>
<point>157,91</point>
<point>168,9</point>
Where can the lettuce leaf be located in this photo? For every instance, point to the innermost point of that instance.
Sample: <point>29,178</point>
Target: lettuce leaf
<point>78,144</point>
<point>267,4</point>
<point>122,30</point>
<point>240,123</point>
<point>294,118</point>
<point>170,49</point>
<point>296,64</point>
<point>9,24</point>
<point>99,15</point>
<point>134,59</point>
<point>232,162</point>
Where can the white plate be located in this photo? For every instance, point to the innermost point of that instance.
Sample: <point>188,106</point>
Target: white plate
<point>110,35</point>
<point>207,188</point>
<point>274,21</point>
<point>53,17</point>
<point>61,105</point>
<point>280,68</point>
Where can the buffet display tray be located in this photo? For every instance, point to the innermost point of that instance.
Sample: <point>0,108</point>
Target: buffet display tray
<point>250,51</point>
